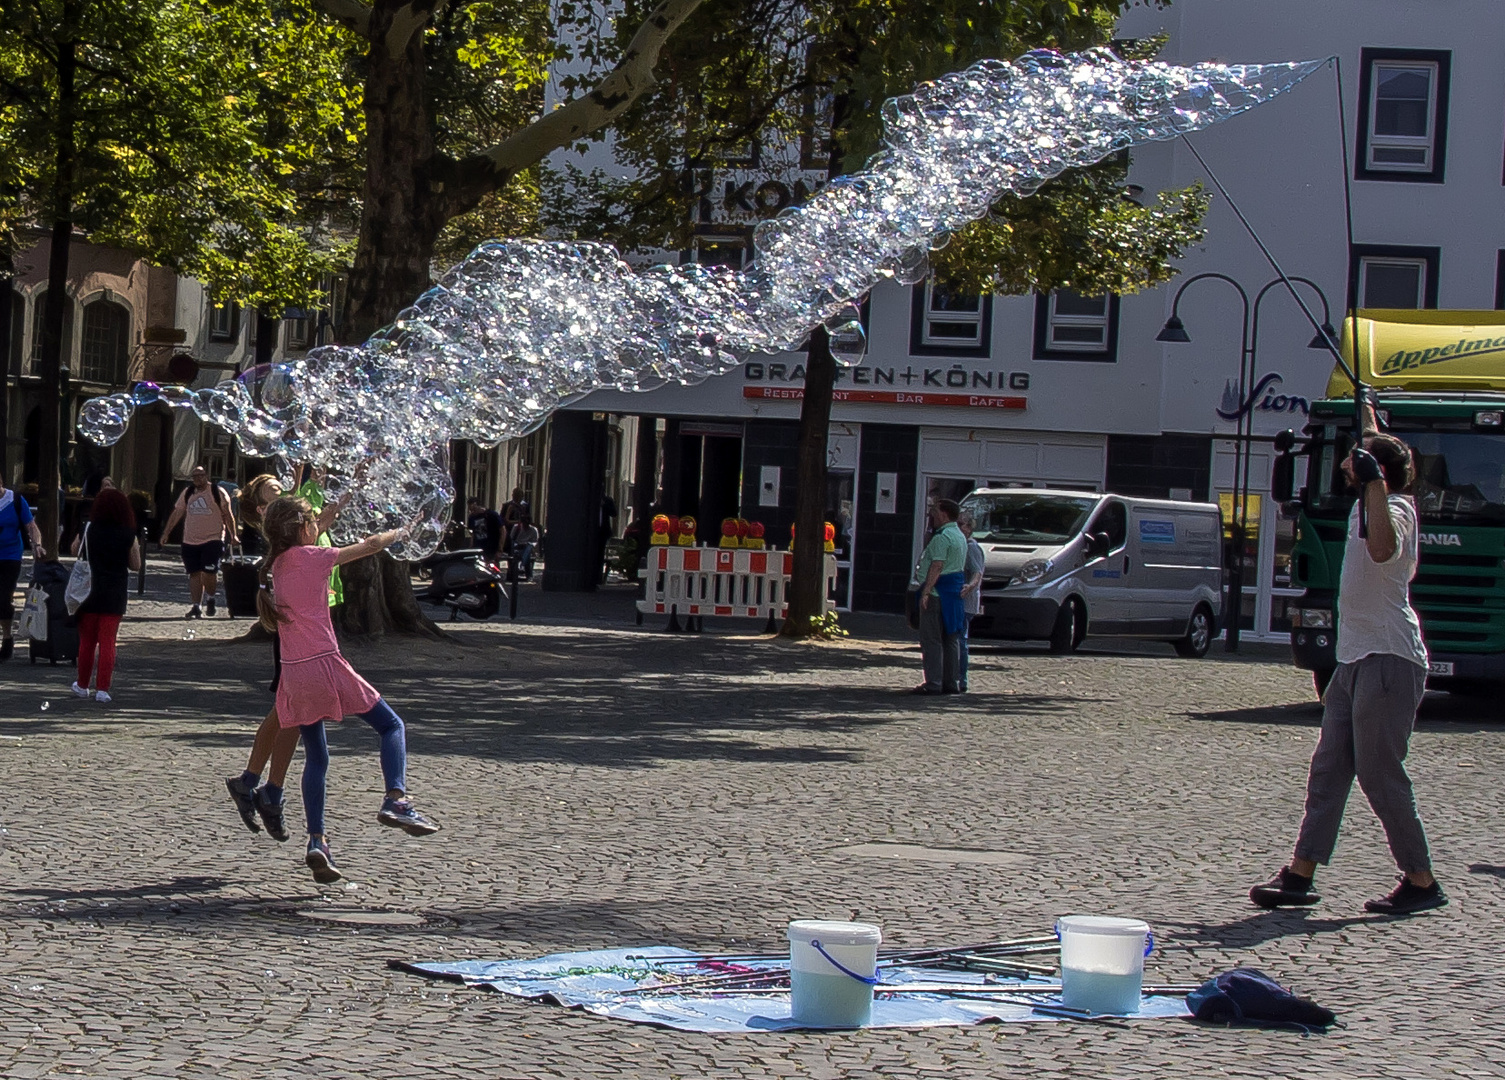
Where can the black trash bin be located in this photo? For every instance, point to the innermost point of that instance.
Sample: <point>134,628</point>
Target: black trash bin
<point>241,583</point>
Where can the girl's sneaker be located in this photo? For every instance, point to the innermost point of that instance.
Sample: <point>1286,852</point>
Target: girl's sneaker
<point>80,691</point>
<point>271,815</point>
<point>321,862</point>
<point>102,696</point>
<point>244,798</point>
<point>400,814</point>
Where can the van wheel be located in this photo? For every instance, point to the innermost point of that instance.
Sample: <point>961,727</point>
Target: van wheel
<point>1070,627</point>
<point>1320,678</point>
<point>1199,634</point>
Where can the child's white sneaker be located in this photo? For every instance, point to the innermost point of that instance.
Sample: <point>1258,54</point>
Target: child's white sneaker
<point>101,696</point>
<point>80,691</point>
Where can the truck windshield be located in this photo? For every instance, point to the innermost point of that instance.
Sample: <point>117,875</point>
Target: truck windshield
<point>1460,476</point>
<point>1027,518</point>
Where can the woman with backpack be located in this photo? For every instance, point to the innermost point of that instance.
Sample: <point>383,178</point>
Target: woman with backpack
<point>109,542</point>
<point>16,521</point>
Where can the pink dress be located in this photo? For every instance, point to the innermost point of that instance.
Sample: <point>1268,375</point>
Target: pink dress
<point>317,682</point>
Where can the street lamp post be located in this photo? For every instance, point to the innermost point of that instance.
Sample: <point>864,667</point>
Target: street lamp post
<point>1175,331</point>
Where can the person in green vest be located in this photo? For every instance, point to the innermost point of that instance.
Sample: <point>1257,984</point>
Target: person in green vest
<point>312,490</point>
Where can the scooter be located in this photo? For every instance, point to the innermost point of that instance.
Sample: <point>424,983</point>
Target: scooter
<point>465,581</point>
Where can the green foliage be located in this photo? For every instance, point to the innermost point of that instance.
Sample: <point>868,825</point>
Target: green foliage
<point>1080,231</point>
<point>817,72</point>
<point>206,137</point>
<point>826,627</point>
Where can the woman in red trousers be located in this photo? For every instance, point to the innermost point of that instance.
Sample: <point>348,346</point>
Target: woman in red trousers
<point>110,541</point>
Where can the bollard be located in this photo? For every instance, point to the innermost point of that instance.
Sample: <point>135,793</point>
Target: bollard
<point>512,593</point>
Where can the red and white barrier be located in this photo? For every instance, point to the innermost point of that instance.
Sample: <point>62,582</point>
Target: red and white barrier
<point>697,581</point>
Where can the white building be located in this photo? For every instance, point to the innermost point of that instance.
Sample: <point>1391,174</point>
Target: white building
<point>1077,392</point>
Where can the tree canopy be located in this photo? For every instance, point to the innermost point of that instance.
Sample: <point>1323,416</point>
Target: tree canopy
<point>204,136</point>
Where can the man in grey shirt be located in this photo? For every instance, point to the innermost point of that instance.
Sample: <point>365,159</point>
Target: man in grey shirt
<point>1370,705</point>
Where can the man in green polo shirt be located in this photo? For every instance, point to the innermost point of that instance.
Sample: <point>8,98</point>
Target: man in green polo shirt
<point>941,611</point>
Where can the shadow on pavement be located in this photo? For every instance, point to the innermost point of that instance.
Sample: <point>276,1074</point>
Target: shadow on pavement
<point>1255,929</point>
<point>1487,868</point>
<point>606,700</point>
<point>1458,712</point>
<point>179,886</point>
<point>1306,714</point>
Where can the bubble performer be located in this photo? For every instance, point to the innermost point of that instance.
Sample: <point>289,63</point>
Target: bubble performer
<point>520,328</point>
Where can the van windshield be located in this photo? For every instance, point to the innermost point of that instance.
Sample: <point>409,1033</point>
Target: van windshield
<point>1027,518</point>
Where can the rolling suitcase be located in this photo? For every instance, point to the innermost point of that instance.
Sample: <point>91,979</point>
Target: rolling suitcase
<point>61,645</point>
<point>241,584</point>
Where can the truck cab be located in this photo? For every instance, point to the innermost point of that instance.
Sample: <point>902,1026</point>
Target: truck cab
<point>1440,380</point>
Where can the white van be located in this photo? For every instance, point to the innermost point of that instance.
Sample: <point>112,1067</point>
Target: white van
<point>1063,564</point>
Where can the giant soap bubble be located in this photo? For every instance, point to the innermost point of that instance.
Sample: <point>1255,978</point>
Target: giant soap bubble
<point>522,327</point>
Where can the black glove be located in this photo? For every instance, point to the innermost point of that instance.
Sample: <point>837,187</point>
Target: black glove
<point>1366,470</point>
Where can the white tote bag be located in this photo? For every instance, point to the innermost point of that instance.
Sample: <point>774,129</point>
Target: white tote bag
<point>34,614</point>
<point>81,580</point>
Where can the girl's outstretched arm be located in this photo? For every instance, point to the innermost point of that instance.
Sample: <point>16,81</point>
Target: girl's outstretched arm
<point>369,546</point>
<point>330,512</point>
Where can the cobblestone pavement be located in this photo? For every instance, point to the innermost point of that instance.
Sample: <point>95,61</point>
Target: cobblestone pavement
<point>604,785</point>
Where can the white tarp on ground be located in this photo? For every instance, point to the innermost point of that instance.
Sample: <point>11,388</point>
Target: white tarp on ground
<point>598,981</point>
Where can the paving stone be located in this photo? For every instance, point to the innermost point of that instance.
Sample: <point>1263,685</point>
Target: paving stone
<point>604,785</point>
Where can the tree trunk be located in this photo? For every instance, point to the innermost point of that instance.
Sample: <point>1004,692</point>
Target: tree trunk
<point>399,225</point>
<point>49,428</point>
<point>401,215</point>
<point>807,584</point>
<point>379,599</point>
<point>7,283</point>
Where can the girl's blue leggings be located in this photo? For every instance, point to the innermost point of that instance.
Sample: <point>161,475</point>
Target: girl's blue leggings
<point>394,759</point>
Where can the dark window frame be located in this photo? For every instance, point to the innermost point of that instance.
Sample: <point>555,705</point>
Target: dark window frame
<point>1443,58</point>
<point>109,370</point>
<point>919,311</point>
<point>1042,348</point>
<point>725,233</point>
<point>233,334</point>
<point>1500,280</point>
<point>1432,256</point>
<point>15,348</point>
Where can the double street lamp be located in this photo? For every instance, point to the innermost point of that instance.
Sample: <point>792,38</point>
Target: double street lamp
<point>1175,331</point>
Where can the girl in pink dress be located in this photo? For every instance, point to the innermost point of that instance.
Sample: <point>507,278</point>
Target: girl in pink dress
<point>317,683</point>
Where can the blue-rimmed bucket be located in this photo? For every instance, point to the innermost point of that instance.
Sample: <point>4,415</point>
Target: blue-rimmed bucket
<point>833,967</point>
<point>1102,962</point>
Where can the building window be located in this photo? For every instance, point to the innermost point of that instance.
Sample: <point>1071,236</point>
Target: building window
<point>1393,277</point>
<point>713,249</point>
<point>1070,326</point>
<point>38,329</point>
<point>1403,113</point>
<point>948,322</point>
<point>17,345</point>
<point>299,322</point>
<point>106,348</point>
<point>224,322</point>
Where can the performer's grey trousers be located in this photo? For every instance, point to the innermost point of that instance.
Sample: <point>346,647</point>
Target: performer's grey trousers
<point>1367,717</point>
<point>941,652</point>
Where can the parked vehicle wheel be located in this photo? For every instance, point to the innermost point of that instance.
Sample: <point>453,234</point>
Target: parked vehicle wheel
<point>1320,678</point>
<point>1199,633</point>
<point>1070,628</point>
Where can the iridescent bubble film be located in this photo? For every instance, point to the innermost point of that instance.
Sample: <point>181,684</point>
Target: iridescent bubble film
<point>522,327</point>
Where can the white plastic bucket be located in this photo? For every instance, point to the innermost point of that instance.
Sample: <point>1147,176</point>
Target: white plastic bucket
<point>833,967</point>
<point>1102,962</point>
